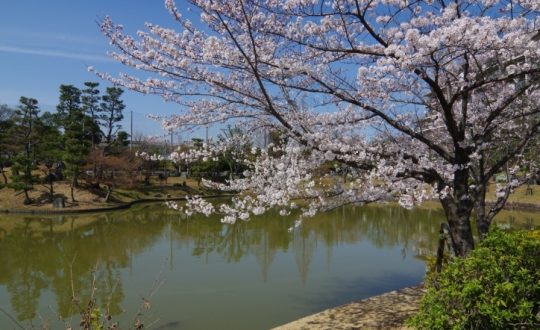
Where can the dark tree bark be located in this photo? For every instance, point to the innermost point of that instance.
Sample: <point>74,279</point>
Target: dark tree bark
<point>482,222</point>
<point>109,191</point>
<point>72,188</point>
<point>51,187</point>
<point>459,226</point>
<point>27,199</point>
<point>458,208</point>
<point>4,175</point>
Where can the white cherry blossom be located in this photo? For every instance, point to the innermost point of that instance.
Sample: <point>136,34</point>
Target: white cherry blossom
<point>375,100</point>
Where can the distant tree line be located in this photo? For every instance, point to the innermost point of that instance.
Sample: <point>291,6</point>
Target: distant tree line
<point>82,142</point>
<point>44,147</point>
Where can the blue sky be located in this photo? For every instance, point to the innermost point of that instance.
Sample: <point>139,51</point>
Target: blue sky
<point>46,43</point>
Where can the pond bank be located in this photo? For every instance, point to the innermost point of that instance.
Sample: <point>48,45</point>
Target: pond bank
<point>386,311</point>
<point>519,206</point>
<point>510,206</point>
<point>121,206</point>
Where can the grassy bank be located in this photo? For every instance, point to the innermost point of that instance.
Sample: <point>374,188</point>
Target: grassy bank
<point>88,197</point>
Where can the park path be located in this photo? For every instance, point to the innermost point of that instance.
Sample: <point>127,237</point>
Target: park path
<point>386,311</point>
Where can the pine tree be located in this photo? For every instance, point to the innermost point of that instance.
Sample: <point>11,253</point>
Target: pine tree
<point>76,144</point>
<point>112,107</point>
<point>91,107</point>
<point>6,143</point>
<point>25,136</point>
<point>49,153</point>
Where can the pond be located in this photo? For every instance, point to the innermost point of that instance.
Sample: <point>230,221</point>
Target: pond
<point>171,272</point>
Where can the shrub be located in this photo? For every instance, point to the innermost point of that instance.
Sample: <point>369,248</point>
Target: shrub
<point>496,287</point>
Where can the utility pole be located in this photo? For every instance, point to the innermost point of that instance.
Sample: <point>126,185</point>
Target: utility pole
<point>82,139</point>
<point>131,132</point>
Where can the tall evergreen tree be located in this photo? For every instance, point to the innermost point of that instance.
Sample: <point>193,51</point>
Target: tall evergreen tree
<point>5,112</point>
<point>49,153</point>
<point>90,104</point>
<point>112,107</point>
<point>69,104</point>
<point>6,142</point>
<point>76,144</point>
<point>24,135</point>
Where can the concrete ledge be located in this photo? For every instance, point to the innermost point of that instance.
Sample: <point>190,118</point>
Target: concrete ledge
<point>514,206</point>
<point>387,311</point>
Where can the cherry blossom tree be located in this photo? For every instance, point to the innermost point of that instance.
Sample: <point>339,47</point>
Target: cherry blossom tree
<point>417,99</point>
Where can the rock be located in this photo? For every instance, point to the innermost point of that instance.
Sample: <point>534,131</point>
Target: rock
<point>59,203</point>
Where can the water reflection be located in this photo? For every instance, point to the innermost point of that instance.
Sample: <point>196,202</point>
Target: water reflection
<point>44,256</point>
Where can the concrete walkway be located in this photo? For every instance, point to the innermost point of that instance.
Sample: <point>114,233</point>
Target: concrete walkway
<point>387,311</point>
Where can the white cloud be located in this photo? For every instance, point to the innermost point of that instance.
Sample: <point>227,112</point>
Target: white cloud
<point>53,37</point>
<point>55,53</point>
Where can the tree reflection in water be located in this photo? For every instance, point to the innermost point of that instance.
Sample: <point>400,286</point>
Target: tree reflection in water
<point>48,254</point>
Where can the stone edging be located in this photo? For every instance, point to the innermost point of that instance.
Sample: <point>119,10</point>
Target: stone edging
<point>509,206</point>
<point>386,311</point>
<point>102,209</point>
<point>517,206</point>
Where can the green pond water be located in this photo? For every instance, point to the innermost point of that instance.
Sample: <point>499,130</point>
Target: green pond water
<point>197,273</point>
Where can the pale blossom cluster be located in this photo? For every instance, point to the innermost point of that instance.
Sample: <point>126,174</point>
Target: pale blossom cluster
<point>193,154</point>
<point>234,145</point>
<point>146,156</point>
<point>410,99</point>
<point>193,204</point>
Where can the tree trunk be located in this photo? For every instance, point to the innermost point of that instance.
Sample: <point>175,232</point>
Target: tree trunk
<point>110,129</point>
<point>75,181</point>
<point>482,221</point>
<point>443,235</point>
<point>458,208</point>
<point>4,175</point>
<point>98,175</point>
<point>51,186</point>
<point>72,187</point>
<point>26,197</point>
<point>458,217</point>
<point>95,181</point>
<point>109,191</point>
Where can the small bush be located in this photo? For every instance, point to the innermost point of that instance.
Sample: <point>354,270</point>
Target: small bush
<point>496,287</point>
